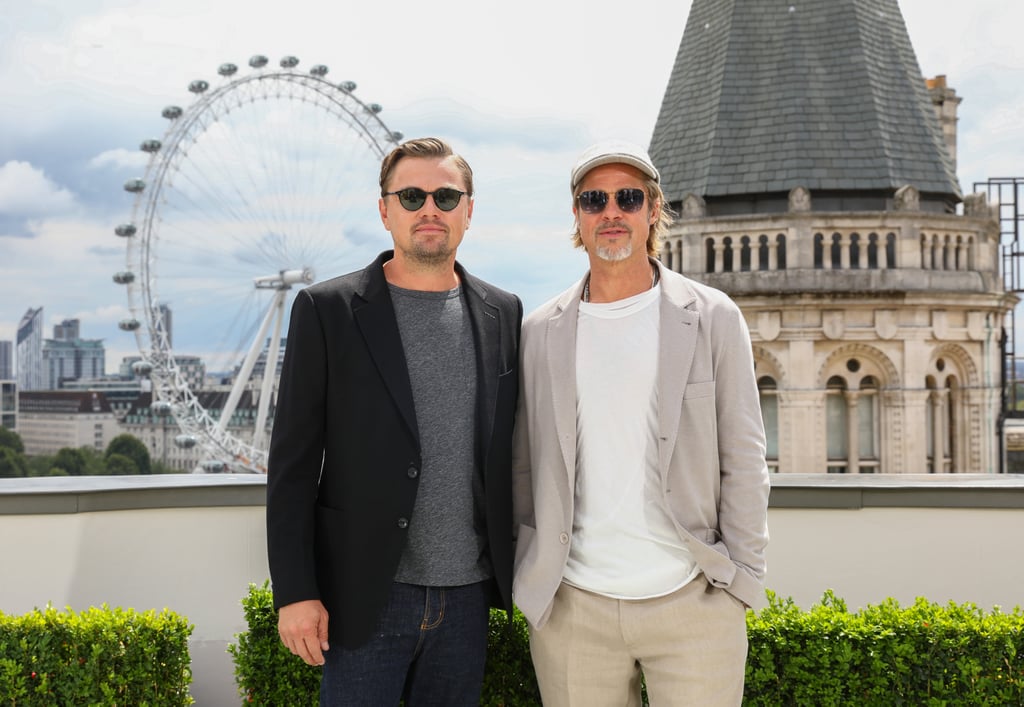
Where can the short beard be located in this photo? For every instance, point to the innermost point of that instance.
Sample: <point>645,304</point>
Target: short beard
<point>429,258</point>
<point>614,255</point>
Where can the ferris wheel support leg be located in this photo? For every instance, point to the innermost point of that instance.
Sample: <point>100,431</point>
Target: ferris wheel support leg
<point>242,379</point>
<point>269,374</point>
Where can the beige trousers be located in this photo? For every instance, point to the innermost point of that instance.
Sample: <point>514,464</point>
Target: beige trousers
<point>691,646</point>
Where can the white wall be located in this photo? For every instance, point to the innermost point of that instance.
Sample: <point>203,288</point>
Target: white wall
<point>193,543</point>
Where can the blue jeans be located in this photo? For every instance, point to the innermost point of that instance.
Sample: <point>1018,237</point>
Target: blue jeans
<point>429,649</point>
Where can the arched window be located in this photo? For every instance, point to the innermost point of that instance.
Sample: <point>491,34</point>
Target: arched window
<point>867,426</point>
<point>852,423</point>
<point>941,422</point>
<point>770,415</point>
<point>819,251</point>
<point>836,425</point>
<point>727,255</point>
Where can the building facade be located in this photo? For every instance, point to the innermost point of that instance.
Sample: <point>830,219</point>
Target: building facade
<point>49,420</point>
<point>9,404</point>
<point>814,180</point>
<point>72,359</point>
<point>158,430</point>
<point>6,360</point>
<point>31,374</point>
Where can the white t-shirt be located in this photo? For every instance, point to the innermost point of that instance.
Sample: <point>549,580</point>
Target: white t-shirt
<point>624,543</point>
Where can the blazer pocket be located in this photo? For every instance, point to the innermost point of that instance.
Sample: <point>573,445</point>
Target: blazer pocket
<point>699,390</point>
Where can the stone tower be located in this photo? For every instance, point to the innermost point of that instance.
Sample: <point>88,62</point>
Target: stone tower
<point>815,183</point>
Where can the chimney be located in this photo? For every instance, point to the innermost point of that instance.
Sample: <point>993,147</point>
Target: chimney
<point>945,101</point>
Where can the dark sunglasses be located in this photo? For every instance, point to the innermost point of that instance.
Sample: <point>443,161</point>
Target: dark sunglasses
<point>413,198</point>
<point>594,201</point>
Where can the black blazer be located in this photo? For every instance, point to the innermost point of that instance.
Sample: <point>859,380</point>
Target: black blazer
<point>345,452</point>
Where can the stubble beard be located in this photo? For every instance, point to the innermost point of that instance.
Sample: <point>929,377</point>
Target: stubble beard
<point>615,253</point>
<point>429,255</point>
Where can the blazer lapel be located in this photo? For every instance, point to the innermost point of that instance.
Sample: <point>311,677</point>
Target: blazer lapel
<point>677,343</point>
<point>375,317</point>
<point>561,348</point>
<point>486,322</point>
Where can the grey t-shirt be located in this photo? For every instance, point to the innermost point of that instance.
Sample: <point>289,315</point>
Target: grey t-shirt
<point>446,542</point>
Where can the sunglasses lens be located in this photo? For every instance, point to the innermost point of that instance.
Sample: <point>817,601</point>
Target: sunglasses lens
<point>629,200</point>
<point>412,199</point>
<point>593,202</point>
<point>447,199</point>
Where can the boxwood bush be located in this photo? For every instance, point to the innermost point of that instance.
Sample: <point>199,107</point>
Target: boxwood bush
<point>268,674</point>
<point>99,656</point>
<point>884,656</point>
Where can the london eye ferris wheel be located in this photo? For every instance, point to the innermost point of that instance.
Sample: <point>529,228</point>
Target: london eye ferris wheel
<point>264,182</point>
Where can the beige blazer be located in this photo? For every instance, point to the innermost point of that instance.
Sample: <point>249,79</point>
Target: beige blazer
<point>711,451</point>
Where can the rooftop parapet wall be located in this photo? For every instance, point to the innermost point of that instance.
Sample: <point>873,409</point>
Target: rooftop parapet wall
<point>881,251</point>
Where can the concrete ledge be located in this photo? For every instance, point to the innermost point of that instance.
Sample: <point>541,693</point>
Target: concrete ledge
<point>897,491</point>
<point>82,494</point>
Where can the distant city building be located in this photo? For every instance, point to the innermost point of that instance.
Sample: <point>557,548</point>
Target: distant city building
<point>261,361</point>
<point>9,404</point>
<point>120,392</point>
<point>30,372</point>
<point>6,360</point>
<point>72,359</point>
<point>159,432</point>
<point>67,330</point>
<point>49,420</point>
<point>192,368</point>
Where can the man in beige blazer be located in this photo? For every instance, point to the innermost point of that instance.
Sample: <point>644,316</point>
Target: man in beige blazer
<point>639,475</point>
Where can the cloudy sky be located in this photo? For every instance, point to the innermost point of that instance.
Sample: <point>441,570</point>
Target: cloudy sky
<point>519,88</point>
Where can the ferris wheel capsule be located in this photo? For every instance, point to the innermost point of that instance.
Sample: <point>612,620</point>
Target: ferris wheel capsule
<point>289,62</point>
<point>134,185</point>
<point>397,135</point>
<point>142,368</point>
<point>150,146</point>
<point>186,441</point>
<point>258,61</point>
<point>319,70</point>
<point>160,408</point>
<point>126,230</point>
<point>124,277</point>
<point>347,86</point>
<point>198,86</point>
<point>213,466</point>
<point>129,324</point>
<point>172,112</point>
<point>375,108</point>
<point>227,69</point>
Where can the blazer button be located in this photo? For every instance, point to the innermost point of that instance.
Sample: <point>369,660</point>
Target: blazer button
<point>403,523</point>
<point>413,472</point>
<point>563,538</point>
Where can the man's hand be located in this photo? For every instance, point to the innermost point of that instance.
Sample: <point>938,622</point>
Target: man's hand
<point>303,630</point>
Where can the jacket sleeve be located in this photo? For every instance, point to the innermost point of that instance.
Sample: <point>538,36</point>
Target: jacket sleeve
<point>296,457</point>
<point>743,504</point>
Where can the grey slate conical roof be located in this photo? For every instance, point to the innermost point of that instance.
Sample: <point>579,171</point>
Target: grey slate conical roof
<point>766,95</point>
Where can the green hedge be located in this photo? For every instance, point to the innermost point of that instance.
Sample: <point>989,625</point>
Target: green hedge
<point>268,674</point>
<point>100,656</point>
<point>884,655</point>
<point>924,654</point>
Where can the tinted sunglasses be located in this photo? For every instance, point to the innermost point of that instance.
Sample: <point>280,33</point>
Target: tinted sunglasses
<point>413,198</point>
<point>594,201</point>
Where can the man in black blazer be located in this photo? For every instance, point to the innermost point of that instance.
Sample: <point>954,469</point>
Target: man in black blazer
<point>389,519</point>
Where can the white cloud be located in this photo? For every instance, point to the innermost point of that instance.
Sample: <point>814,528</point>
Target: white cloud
<point>27,191</point>
<point>120,158</point>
